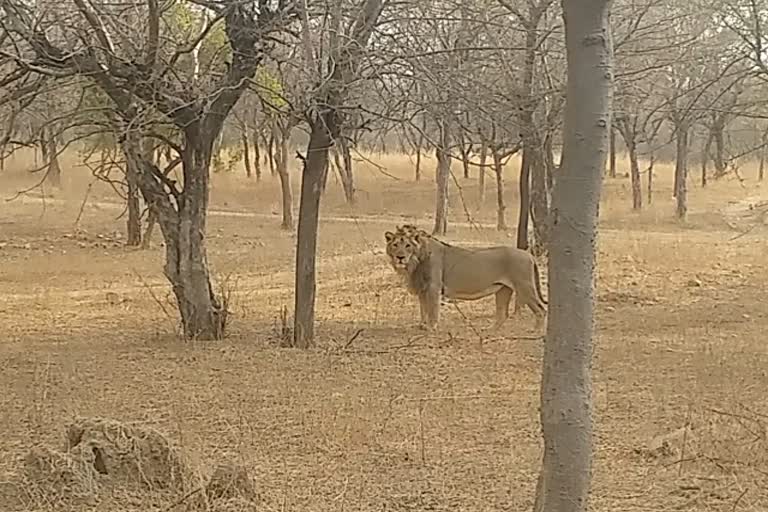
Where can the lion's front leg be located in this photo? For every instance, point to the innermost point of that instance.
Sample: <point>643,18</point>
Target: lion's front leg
<point>430,307</point>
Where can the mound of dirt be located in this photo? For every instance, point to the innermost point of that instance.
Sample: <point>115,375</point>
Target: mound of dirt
<point>230,489</point>
<point>126,455</point>
<point>56,477</point>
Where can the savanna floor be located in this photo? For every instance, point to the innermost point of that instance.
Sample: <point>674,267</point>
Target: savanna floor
<point>379,416</point>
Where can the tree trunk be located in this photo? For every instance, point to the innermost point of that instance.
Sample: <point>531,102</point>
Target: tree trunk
<point>50,150</point>
<point>634,172</point>
<point>146,240</point>
<point>651,162</point>
<point>524,186</point>
<point>420,146</point>
<point>315,167</point>
<point>133,224</point>
<point>612,160</point>
<point>681,171</point>
<point>183,226</point>
<point>466,150</point>
<point>246,152</point>
<point>481,173</point>
<point>271,153</point>
<point>281,136</point>
<point>442,176</point>
<point>256,157</point>
<point>498,168</point>
<point>566,385</point>
<point>705,159</point>
<point>763,151</point>
<point>539,201</point>
<point>718,135</point>
<point>345,171</point>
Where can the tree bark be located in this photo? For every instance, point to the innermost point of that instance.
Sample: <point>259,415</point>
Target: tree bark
<point>612,160</point>
<point>466,150</point>
<point>501,207</point>
<point>441,180</point>
<point>651,162</point>
<point>315,168</point>
<point>246,152</point>
<point>345,171</point>
<point>634,172</point>
<point>481,173</point>
<point>281,135</point>
<point>718,137</point>
<point>681,171</point>
<point>183,227</point>
<point>50,149</point>
<point>133,224</point>
<point>566,385</point>
<point>539,201</point>
<point>524,186</point>
<point>705,159</point>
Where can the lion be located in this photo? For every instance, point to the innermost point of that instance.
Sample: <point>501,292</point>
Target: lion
<point>434,270</point>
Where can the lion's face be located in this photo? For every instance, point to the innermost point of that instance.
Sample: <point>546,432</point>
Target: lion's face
<point>405,247</point>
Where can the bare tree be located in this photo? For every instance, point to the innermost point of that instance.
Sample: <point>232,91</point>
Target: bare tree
<point>566,385</point>
<point>326,121</point>
<point>145,76</point>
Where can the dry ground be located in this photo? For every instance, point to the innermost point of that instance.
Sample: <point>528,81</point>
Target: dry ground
<point>390,420</point>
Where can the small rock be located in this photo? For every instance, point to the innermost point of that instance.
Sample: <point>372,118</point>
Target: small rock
<point>694,282</point>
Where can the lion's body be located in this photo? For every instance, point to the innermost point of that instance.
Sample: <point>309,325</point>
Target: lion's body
<point>433,269</point>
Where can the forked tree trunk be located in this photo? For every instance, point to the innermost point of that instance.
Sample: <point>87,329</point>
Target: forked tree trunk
<point>566,384</point>
<point>313,175</point>
<point>442,175</point>
<point>681,172</point>
<point>183,226</point>
<point>501,207</point>
<point>481,174</point>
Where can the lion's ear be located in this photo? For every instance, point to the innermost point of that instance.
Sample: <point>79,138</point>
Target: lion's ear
<point>389,236</point>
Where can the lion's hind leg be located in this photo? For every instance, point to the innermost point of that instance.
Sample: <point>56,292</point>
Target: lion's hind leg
<point>503,297</point>
<point>527,295</point>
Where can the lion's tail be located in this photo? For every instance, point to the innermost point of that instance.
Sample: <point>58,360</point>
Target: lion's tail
<point>538,282</point>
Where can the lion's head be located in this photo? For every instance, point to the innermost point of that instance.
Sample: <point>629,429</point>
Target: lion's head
<point>406,247</point>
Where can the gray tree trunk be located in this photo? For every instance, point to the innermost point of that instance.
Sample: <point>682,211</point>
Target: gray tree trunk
<point>481,173</point>
<point>441,179</point>
<point>612,160</point>
<point>681,171</point>
<point>566,385</point>
<point>281,136</point>
<point>501,207</point>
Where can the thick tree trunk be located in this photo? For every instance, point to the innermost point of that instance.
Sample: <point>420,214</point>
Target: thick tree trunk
<point>524,186</point>
<point>315,168</point>
<point>501,207</point>
<point>441,180</point>
<point>481,173</point>
<point>681,171</point>
<point>612,159</point>
<point>183,226</point>
<point>566,385</point>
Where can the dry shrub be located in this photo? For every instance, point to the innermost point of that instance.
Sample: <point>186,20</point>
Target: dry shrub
<point>127,455</point>
<point>54,477</point>
<point>230,489</point>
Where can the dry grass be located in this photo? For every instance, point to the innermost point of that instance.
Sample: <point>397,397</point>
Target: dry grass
<point>389,420</point>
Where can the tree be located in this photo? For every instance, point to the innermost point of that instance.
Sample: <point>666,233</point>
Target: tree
<point>344,51</point>
<point>148,77</point>
<point>566,385</point>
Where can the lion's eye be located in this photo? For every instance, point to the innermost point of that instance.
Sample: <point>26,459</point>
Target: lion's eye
<point>407,246</point>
